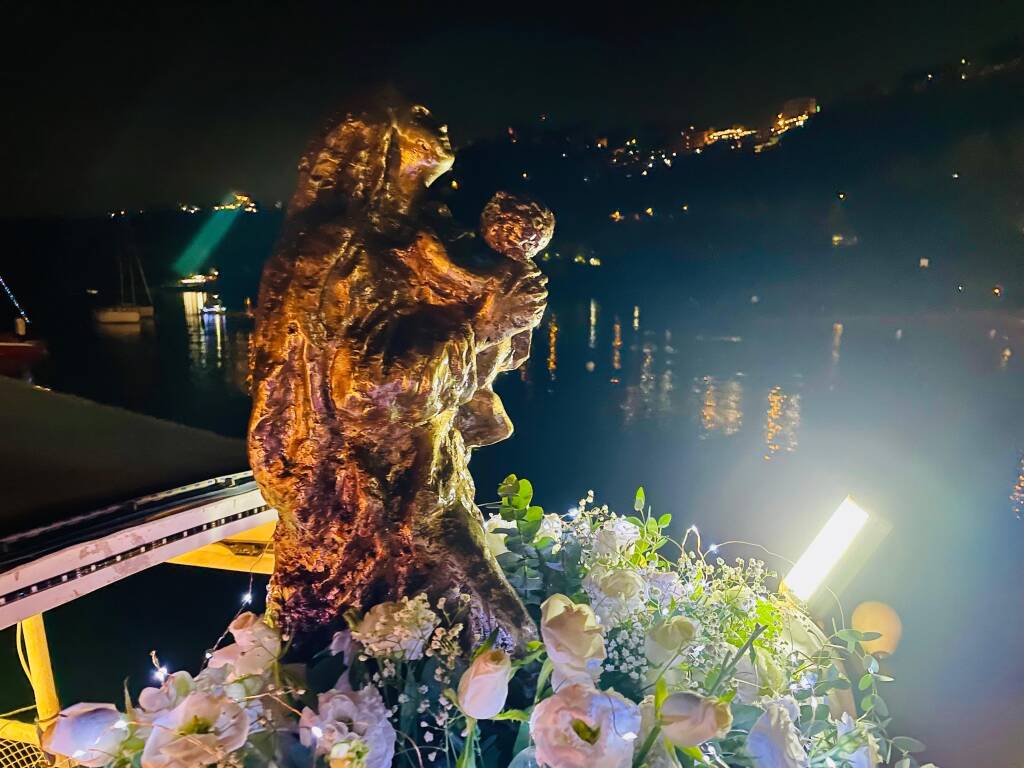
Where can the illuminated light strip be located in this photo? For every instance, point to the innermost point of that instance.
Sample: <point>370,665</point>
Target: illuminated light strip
<point>827,549</point>
<point>14,301</point>
<point>120,557</point>
<point>61,577</point>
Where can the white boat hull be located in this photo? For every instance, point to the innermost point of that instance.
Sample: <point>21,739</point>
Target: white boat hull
<point>117,315</point>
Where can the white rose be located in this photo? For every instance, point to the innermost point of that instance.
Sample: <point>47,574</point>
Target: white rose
<point>757,678</point>
<point>257,645</point>
<point>201,730</point>
<point>356,720</point>
<point>89,734</point>
<point>495,540</point>
<point>573,640</point>
<point>550,528</point>
<point>688,720</point>
<point>774,741</point>
<point>666,640</point>
<point>615,537</point>
<point>800,633</point>
<point>398,630</point>
<point>484,686</point>
<point>580,727</point>
<point>615,595</point>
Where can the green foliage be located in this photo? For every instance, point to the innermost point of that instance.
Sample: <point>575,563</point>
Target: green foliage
<point>532,565</point>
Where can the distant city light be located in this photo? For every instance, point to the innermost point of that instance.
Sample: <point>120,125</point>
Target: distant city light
<point>827,549</point>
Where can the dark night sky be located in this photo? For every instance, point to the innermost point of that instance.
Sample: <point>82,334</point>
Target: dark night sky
<point>146,104</point>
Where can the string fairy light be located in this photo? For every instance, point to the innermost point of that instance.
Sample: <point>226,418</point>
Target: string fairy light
<point>14,300</point>
<point>160,671</point>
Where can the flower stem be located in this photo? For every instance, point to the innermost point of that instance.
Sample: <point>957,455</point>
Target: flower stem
<point>730,665</point>
<point>646,746</point>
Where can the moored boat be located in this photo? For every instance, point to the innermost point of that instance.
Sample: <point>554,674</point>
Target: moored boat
<point>122,313</point>
<point>19,355</point>
<point>213,306</point>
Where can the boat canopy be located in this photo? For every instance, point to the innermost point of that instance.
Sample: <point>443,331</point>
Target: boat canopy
<point>95,494</point>
<point>64,457</point>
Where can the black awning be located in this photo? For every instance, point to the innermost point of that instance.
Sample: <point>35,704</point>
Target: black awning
<point>63,457</point>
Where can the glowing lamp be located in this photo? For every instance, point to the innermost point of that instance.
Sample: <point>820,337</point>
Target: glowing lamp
<point>878,617</point>
<point>827,549</point>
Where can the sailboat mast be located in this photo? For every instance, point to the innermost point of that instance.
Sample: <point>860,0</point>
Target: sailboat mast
<point>131,281</point>
<point>145,282</point>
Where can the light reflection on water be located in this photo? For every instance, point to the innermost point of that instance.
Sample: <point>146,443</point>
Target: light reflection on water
<point>782,422</point>
<point>218,346</point>
<point>721,405</point>
<point>763,373</point>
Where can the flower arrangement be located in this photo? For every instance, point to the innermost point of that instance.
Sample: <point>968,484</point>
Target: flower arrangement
<point>653,653</point>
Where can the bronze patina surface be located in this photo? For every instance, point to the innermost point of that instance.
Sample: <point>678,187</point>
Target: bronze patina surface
<point>380,330</point>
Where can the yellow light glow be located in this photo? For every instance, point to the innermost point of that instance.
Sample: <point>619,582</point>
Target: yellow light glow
<point>827,549</point>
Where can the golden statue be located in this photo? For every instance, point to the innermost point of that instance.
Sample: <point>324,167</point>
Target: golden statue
<point>379,332</point>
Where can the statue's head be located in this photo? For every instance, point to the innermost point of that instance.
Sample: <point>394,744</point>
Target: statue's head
<point>517,227</point>
<point>381,156</point>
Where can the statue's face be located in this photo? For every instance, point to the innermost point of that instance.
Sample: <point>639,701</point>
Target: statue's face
<point>517,227</point>
<point>348,162</point>
<point>426,152</point>
<point>352,158</point>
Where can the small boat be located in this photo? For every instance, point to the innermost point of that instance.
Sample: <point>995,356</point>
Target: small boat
<point>18,354</point>
<point>128,311</point>
<point>195,281</point>
<point>122,313</point>
<point>213,306</point>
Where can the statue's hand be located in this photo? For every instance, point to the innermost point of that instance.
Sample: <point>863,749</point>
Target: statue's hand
<point>517,305</point>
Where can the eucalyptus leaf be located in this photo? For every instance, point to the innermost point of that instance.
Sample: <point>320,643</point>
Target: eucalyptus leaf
<point>639,500</point>
<point>907,744</point>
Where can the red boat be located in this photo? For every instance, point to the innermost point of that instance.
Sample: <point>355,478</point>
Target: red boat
<point>19,355</point>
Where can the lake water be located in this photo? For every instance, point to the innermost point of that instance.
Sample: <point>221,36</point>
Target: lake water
<point>752,424</point>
